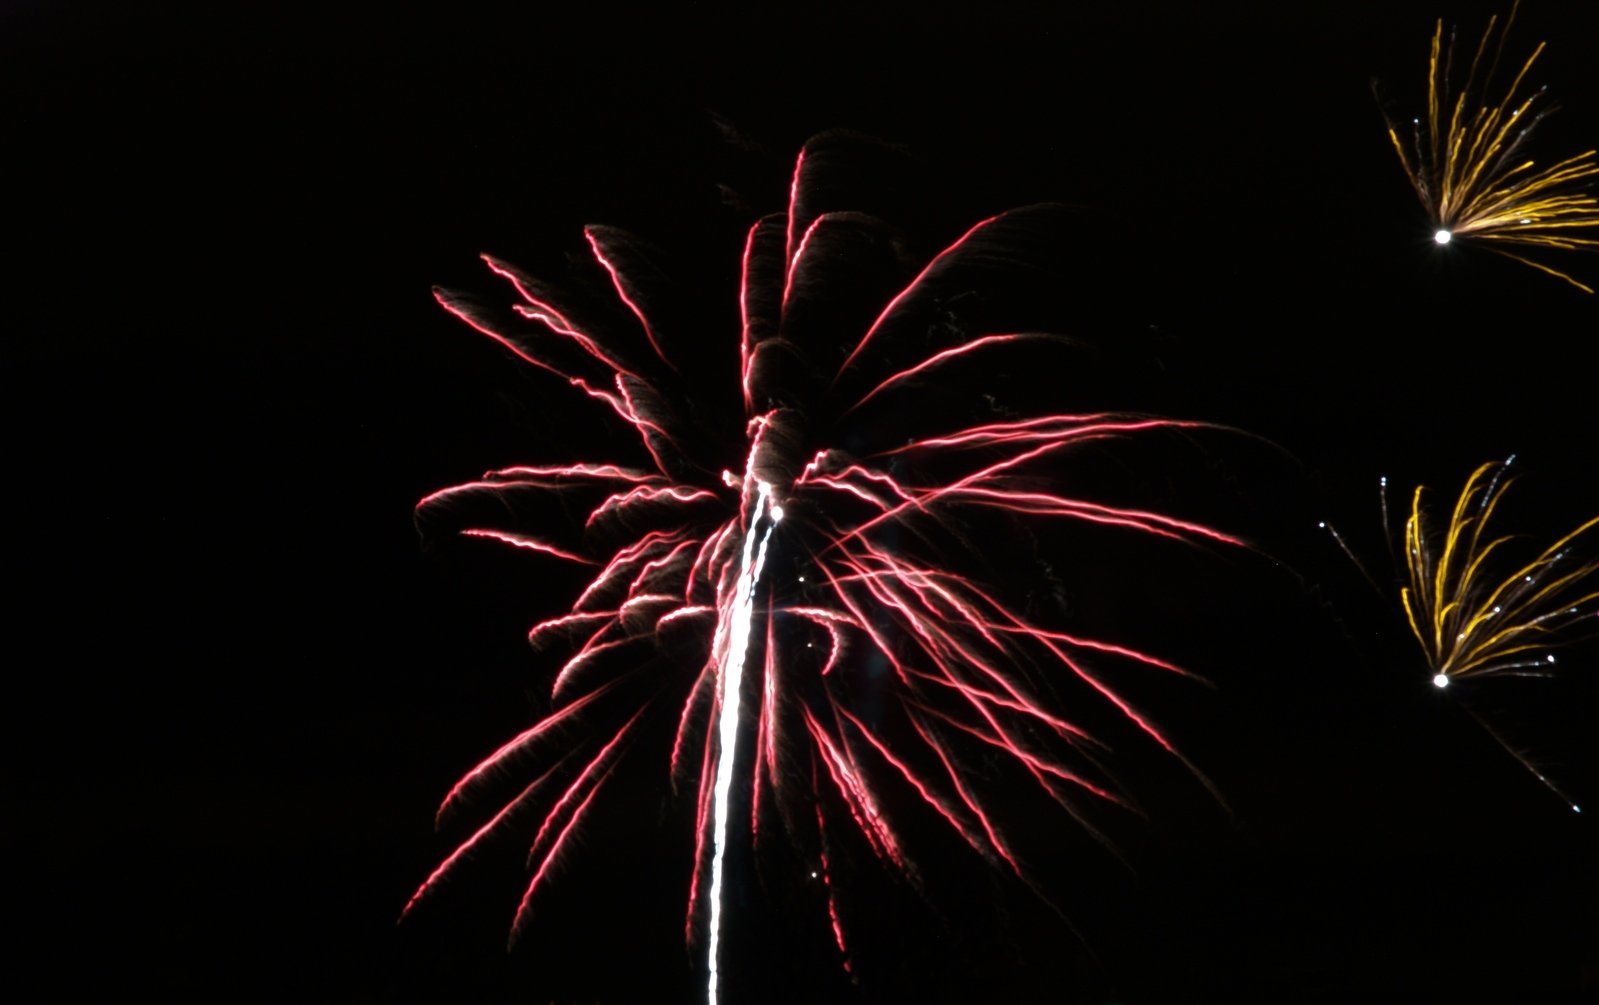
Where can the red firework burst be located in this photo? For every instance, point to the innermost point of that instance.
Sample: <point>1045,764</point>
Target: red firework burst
<point>820,550</point>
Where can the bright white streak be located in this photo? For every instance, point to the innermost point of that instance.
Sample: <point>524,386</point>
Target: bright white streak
<point>741,616</point>
<point>1442,236</point>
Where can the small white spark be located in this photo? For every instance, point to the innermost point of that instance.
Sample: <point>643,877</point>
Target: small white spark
<point>1440,681</point>
<point>1442,236</point>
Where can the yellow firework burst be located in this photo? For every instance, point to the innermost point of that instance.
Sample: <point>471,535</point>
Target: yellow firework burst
<point>1472,623</point>
<point>1468,162</point>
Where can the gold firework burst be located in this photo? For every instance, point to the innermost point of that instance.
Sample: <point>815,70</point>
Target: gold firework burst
<point>1467,160</point>
<point>1473,624</point>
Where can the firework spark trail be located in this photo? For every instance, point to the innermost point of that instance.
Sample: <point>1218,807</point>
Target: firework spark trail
<point>688,579</point>
<point>1467,161</point>
<point>1470,622</point>
<point>741,618</point>
<point>1474,622</point>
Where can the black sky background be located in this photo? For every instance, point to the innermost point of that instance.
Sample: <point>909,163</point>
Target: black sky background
<point>239,685</point>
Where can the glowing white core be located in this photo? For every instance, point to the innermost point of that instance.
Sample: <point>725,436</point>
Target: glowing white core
<point>1440,681</point>
<point>1442,237</point>
<point>740,615</point>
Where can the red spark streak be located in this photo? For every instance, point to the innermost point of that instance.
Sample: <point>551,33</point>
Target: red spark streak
<point>684,612</point>
<point>798,256</point>
<point>937,359</point>
<point>1006,433</point>
<point>601,764</point>
<point>648,494</point>
<point>857,796</point>
<point>516,745</point>
<point>994,839</point>
<point>793,203</point>
<point>702,808</point>
<point>832,898</point>
<point>448,305</point>
<point>543,628</point>
<point>622,294</point>
<point>904,294</point>
<point>657,568</point>
<point>766,731</point>
<point>482,832</point>
<point>522,541</point>
<point>928,796</point>
<point>541,311</point>
<point>625,559</point>
<point>829,621</point>
<point>592,648</point>
<point>600,471</point>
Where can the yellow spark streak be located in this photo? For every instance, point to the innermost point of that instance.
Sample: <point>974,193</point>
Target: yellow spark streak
<point>1470,624</point>
<point>1469,168</point>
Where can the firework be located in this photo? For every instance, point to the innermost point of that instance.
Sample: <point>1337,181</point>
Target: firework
<point>1468,160</point>
<point>1475,623</point>
<point>1472,621</point>
<point>782,579</point>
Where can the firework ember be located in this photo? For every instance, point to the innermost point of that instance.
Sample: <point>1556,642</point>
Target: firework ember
<point>1475,622</point>
<point>1475,613</point>
<point>804,547</point>
<point>1469,163</point>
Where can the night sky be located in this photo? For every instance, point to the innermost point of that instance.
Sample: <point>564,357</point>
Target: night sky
<point>239,684</point>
